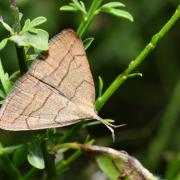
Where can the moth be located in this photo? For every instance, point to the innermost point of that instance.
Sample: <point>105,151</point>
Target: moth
<point>58,89</point>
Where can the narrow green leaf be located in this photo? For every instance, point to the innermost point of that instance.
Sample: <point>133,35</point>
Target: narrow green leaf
<point>19,156</point>
<point>113,5</point>
<point>101,84</point>
<point>106,165</point>
<point>35,156</point>
<point>10,149</point>
<point>6,26</point>
<point>67,8</point>
<point>2,94</point>
<point>31,57</point>
<point>38,40</point>
<point>4,79</point>
<point>26,25</point>
<point>87,42</point>
<point>83,5</point>
<point>14,76</point>
<point>33,30</point>
<point>3,43</point>
<point>93,123</point>
<point>79,6</point>
<point>2,102</point>
<point>37,21</point>
<point>119,13</point>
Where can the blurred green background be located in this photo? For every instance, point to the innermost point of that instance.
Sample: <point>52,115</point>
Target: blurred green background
<point>150,106</point>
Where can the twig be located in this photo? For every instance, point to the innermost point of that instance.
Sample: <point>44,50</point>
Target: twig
<point>17,27</point>
<point>89,18</point>
<point>134,64</point>
<point>49,164</point>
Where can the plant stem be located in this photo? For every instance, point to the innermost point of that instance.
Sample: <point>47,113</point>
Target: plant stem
<point>62,165</point>
<point>22,59</point>
<point>17,27</point>
<point>143,54</point>
<point>49,164</point>
<point>89,17</point>
<point>30,174</point>
<point>71,133</point>
<point>16,14</point>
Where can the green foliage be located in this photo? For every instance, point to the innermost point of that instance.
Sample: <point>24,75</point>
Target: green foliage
<point>39,156</point>
<point>35,156</point>
<point>29,36</point>
<point>101,84</point>
<point>108,167</point>
<point>87,42</point>
<point>112,8</point>
<point>94,10</point>
<point>172,171</point>
<point>20,156</point>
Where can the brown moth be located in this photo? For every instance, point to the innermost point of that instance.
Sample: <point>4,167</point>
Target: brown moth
<point>58,90</point>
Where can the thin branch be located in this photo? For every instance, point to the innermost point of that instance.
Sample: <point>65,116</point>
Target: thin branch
<point>89,18</point>
<point>17,27</point>
<point>134,64</point>
<point>49,164</point>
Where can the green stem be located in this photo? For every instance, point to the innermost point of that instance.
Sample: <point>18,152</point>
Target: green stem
<point>71,133</point>
<point>17,28</point>
<point>30,174</point>
<point>22,59</point>
<point>89,17</point>
<point>16,14</point>
<point>143,54</point>
<point>62,165</point>
<point>49,164</point>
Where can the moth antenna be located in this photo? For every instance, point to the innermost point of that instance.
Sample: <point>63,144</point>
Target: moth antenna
<point>110,126</point>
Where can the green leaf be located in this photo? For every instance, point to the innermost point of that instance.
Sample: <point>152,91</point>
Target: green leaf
<point>2,94</point>
<point>79,6</point>
<point>119,13</point>
<point>87,42</point>
<point>67,8</point>
<point>101,84</point>
<point>37,21</point>
<point>2,102</point>
<point>3,43</point>
<point>31,57</point>
<point>19,40</point>
<point>94,123</point>
<point>106,165</point>
<point>113,5</point>
<point>6,26</point>
<point>38,40</point>
<point>10,149</point>
<point>29,25</point>
<point>4,78</point>
<point>35,156</point>
<point>26,25</point>
<point>19,156</point>
<point>14,76</point>
<point>33,30</point>
<point>83,6</point>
